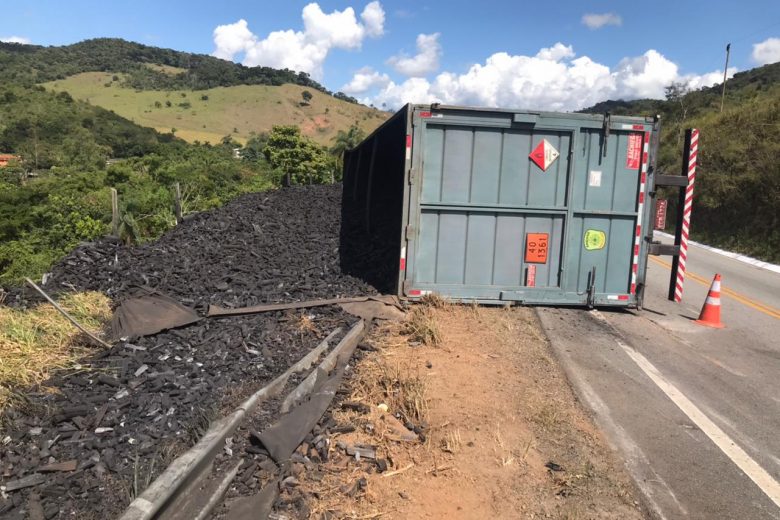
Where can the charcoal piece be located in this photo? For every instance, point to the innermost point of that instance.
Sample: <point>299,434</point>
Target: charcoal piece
<point>69,465</point>
<point>30,480</point>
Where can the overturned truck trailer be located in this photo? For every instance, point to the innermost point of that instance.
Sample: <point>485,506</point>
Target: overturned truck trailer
<point>500,206</point>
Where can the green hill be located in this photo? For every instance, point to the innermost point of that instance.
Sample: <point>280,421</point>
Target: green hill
<point>737,195</point>
<point>82,120</point>
<point>30,64</point>
<point>209,115</point>
<point>204,98</point>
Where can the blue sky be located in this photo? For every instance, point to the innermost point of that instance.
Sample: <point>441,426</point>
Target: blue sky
<point>471,52</point>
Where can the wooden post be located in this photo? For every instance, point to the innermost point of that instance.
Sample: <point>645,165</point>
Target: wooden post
<point>177,201</point>
<point>114,212</point>
<point>725,76</point>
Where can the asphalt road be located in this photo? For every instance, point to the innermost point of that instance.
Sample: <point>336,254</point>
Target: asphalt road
<point>694,410</point>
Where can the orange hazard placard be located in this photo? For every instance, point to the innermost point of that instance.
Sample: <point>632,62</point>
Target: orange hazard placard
<point>536,248</point>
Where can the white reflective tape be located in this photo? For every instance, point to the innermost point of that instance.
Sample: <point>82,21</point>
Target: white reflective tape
<point>403,252</point>
<point>715,286</point>
<point>712,301</point>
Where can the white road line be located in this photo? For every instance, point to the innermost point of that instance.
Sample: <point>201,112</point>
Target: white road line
<point>735,256</point>
<point>738,456</point>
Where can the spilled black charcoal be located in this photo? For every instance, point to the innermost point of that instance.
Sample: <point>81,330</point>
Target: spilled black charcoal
<point>99,433</point>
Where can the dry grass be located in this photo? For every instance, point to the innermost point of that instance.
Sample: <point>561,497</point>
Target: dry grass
<point>37,341</point>
<point>401,388</point>
<point>435,300</point>
<point>305,323</point>
<point>452,441</point>
<point>421,326</point>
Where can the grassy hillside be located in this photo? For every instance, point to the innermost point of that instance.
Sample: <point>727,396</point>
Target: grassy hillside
<point>31,64</point>
<point>209,115</point>
<point>737,198</point>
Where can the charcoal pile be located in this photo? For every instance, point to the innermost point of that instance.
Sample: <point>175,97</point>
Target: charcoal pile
<point>99,434</point>
<point>262,247</point>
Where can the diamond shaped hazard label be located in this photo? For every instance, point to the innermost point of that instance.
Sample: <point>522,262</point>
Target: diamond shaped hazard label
<point>544,154</point>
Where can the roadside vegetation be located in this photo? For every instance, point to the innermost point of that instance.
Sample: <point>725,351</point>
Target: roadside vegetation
<point>34,342</point>
<point>737,189</point>
<point>71,154</point>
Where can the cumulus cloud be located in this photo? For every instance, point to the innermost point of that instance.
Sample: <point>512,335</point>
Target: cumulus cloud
<point>557,52</point>
<point>232,39</point>
<point>16,39</point>
<point>364,80</point>
<point>304,50</point>
<point>553,79</point>
<point>424,62</point>
<point>767,51</point>
<point>597,21</point>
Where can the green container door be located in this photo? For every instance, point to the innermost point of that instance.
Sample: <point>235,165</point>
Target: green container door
<point>480,200</point>
<point>522,207</point>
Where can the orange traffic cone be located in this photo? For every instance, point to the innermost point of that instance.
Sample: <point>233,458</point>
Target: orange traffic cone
<point>710,312</point>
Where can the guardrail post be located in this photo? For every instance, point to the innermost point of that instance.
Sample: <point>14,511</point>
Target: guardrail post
<point>684,207</point>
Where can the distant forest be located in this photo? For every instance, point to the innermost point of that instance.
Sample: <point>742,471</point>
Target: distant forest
<point>32,64</point>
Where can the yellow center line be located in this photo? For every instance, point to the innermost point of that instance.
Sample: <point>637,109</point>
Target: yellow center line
<point>734,295</point>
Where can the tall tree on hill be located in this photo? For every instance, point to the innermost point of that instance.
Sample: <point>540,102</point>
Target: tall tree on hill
<point>346,141</point>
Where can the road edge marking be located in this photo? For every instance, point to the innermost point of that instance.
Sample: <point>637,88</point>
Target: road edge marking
<point>768,485</point>
<point>734,256</point>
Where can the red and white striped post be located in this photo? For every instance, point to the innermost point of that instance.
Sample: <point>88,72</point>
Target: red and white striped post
<point>684,208</point>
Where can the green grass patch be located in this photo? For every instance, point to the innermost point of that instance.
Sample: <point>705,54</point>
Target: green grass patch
<point>34,342</point>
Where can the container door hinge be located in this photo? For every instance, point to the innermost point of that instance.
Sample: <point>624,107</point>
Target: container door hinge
<point>409,233</point>
<point>412,176</point>
<point>607,123</point>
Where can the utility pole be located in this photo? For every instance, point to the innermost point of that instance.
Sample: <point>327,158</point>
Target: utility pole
<point>725,72</point>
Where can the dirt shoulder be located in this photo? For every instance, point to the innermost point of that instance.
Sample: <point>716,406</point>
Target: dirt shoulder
<point>495,413</point>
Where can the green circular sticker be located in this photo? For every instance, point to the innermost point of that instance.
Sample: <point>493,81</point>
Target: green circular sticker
<point>595,239</point>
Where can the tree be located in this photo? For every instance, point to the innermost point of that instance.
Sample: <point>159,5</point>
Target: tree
<point>297,158</point>
<point>253,150</point>
<point>346,141</point>
<point>675,93</point>
<point>306,95</point>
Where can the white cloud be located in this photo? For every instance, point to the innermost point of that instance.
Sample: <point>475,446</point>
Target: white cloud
<point>424,62</point>
<point>557,52</point>
<point>597,21</point>
<point>766,52</point>
<point>364,80</point>
<point>16,39</point>
<point>706,80</point>
<point>553,79</point>
<point>304,50</point>
<point>232,39</point>
<point>373,17</point>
